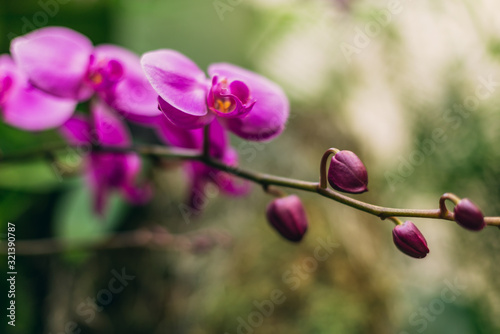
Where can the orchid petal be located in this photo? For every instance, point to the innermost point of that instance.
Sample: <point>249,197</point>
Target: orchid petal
<point>56,60</point>
<point>219,141</point>
<point>137,195</point>
<point>108,128</point>
<point>229,101</point>
<point>178,137</point>
<point>182,119</point>
<point>76,130</point>
<point>31,109</point>
<point>177,80</point>
<point>134,194</point>
<point>229,183</point>
<point>132,95</point>
<point>26,107</point>
<point>97,175</point>
<point>268,116</point>
<point>240,90</point>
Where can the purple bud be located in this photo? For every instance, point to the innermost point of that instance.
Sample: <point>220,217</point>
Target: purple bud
<point>347,173</point>
<point>409,240</point>
<point>468,215</point>
<point>288,217</point>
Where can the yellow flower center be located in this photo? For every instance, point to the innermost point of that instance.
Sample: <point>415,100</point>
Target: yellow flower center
<point>223,105</point>
<point>96,78</point>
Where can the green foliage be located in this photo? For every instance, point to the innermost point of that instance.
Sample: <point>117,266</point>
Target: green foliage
<point>75,220</point>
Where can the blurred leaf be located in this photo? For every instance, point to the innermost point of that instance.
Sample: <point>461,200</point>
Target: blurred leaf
<point>12,205</point>
<point>33,176</point>
<point>494,47</point>
<point>13,140</point>
<point>75,219</point>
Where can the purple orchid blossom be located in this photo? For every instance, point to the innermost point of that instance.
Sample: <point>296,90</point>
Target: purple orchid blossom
<point>199,174</point>
<point>245,103</point>
<point>25,107</point>
<point>64,63</point>
<point>107,171</point>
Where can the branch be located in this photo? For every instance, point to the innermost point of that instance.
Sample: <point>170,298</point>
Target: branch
<point>156,237</point>
<point>266,180</point>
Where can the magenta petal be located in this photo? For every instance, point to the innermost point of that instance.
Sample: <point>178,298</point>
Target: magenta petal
<point>114,70</point>
<point>31,109</point>
<point>132,164</point>
<point>192,139</point>
<point>137,195</point>
<point>11,78</point>
<point>219,144</point>
<point>178,137</point>
<point>197,198</point>
<point>77,130</point>
<point>268,116</point>
<point>132,95</point>
<point>55,59</point>
<point>182,119</point>
<point>109,129</point>
<point>229,183</point>
<point>26,107</point>
<point>98,170</point>
<point>240,90</point>
<point>177,80</point>
<point>229,101</point>
<point>134,194</point>
<point>110,171</point>
<point>115,171</point>
<point>100,199</point>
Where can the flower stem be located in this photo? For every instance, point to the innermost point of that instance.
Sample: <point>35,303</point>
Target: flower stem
<point>395,220</point>
<point>274,191</point>
<point>445,213</point>
<point>267,180</point>
<point>322,167</point>
<point>154,237</point>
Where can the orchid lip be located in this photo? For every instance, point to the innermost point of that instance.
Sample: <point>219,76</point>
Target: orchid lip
<point>229,100</point>
<point>104,73</point>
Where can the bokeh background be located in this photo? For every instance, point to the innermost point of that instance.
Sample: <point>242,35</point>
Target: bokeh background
<point>380,78</point>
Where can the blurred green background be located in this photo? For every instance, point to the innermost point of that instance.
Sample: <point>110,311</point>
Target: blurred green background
<point>380,78</point>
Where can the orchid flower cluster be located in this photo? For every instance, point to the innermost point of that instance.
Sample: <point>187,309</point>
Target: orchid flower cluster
<point>52,70</point>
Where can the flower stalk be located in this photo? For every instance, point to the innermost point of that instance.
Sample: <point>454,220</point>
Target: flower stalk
<point>264,179</point>
<point>322,168</point>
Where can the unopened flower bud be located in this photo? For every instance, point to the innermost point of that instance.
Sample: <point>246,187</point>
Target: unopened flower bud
<point>409,240</point>
<point>347,173</point>
<point>468,215</point>
<point>288,217</point>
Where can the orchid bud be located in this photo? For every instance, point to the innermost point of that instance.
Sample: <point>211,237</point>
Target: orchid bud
<point>468,215</point>
<point>288,217</point>
<point>347,173</point>
<point>409,240</point>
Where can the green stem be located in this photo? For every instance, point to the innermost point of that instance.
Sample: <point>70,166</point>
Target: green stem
<point>155,238</point>
<point>267,180</point>
<point>322,167</point>
<point>395,220</point>
<point>445,213</point>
